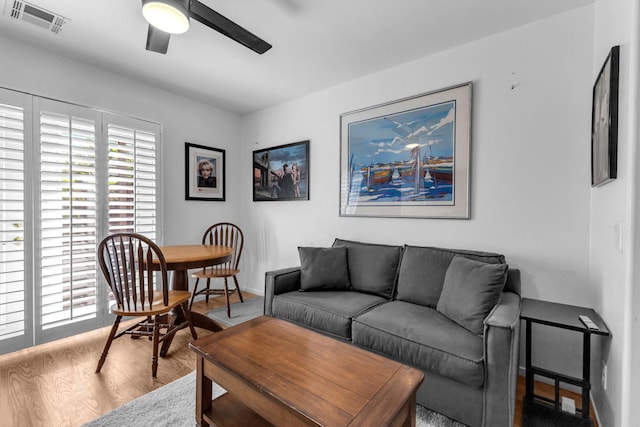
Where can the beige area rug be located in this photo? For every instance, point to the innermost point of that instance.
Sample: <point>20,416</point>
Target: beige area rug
<point>240,311</point>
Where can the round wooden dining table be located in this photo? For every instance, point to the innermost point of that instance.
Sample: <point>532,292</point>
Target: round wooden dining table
<point>181,258</point>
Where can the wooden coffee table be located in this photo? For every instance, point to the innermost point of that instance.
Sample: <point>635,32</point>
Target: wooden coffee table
<point>277,373</point>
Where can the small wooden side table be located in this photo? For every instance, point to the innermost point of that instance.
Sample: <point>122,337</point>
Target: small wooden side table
<point>564,317</point>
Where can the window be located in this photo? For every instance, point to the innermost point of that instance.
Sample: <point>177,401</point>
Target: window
<point>89,174</point>
<point>68,219</point>
<point>132,181</point>
<point>12,212</point>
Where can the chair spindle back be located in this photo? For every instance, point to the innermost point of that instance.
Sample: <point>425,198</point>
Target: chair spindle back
<point>226,234</point>
<point>130,263</point>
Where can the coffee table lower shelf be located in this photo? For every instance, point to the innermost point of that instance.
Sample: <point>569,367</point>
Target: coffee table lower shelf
<point>227,411</point>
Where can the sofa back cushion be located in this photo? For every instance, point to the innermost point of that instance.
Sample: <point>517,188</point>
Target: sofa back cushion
<point>423,269</point>
<point>323,269</point>
<point>372,267</point>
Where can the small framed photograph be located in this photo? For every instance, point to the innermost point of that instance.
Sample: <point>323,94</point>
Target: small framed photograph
<point>281,173</point>
<point>204,172</point>
<point>408,158</point>
<point>604,121</point>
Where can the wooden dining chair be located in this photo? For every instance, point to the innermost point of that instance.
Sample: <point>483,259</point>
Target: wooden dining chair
<point>225,234</point>
<point>134,267</point>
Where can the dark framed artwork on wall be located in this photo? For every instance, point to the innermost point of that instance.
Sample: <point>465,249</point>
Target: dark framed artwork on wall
<point>281,172</point>
<point>408,158</point>
<point>204,173</point>
<point>604,121</point>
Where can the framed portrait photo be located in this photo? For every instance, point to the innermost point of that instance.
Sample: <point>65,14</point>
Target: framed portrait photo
<point>408,158</point>
<point>604,121</point>
<point>204,172</point>
<point>281,173</point>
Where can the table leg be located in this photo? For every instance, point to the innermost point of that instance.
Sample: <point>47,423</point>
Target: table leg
<point>528,395</point>
<point>411,418</point>
<point>586,374</point>
<point>203,393</point>
<point>180,282</point>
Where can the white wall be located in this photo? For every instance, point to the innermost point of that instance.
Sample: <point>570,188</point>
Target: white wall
<point>41,73</point>
<point>631,393</point>
<point>530,166</point>
<point>530,158</point>
<point>615,271</point>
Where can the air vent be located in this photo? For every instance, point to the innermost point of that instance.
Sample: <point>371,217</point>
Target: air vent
<point>36,15</point>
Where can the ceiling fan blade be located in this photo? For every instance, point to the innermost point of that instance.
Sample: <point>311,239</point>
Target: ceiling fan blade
<point>213,19</point>
<point>157,40</point>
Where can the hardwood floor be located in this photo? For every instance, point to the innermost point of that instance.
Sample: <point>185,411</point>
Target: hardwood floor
<point>54,384</point>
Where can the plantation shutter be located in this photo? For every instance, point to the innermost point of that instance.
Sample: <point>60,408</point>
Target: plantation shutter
<point>132,165</point>
<point>69,175</point>
<point>68,221</point>
<point>12,221</point>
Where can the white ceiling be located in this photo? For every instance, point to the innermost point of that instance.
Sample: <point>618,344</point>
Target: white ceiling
<point>316,44</point>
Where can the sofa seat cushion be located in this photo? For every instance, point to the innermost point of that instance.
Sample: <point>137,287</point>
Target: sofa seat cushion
<point>329,312</point>
<point>424,338</point>
<point>372,267</point>
<point>422,271</point>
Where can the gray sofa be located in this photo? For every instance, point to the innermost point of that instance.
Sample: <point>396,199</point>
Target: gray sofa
<point>453,314</point>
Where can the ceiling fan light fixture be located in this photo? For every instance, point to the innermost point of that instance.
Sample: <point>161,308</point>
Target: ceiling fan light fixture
<point>170,16</point>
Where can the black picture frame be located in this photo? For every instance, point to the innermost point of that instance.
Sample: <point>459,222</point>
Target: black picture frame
<point>604,121</point>
<point>197,185</point>
<point>281,173</point>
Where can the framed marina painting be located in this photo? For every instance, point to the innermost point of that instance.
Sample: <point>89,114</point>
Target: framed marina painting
<point>408,158</point>
<point>281,173</point>
<point>204,172</point>
<point>604,122</point>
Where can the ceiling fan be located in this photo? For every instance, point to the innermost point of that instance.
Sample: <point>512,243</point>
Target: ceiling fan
<point>168,17</point>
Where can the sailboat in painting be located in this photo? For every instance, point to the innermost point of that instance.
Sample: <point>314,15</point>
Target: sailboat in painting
<point>377,175</point>
<point>440,169</point>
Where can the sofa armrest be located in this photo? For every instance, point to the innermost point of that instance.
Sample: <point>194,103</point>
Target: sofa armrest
<point>502,355</point>
<point>278,282</point>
